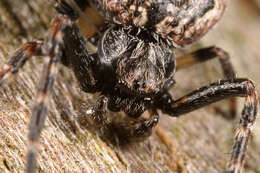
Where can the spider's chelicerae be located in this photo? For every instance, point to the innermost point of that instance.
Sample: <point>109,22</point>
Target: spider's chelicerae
<point>135,63</point>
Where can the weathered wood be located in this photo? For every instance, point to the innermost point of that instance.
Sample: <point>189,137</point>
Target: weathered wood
<point>198,142</point>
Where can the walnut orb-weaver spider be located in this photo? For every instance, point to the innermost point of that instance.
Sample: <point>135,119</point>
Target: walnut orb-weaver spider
<point>134,65</point>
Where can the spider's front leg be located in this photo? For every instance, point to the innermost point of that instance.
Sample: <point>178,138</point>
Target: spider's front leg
<point>64,44</point>
<point>215,92</point>
<point>206,54</point>
<point>52,49</point>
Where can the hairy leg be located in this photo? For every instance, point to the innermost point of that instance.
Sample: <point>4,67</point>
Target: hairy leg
<point>55,48</point>
<point>64,44</point>
<point>52,50</point>
<point>206,54</point>
<point>215,92</point>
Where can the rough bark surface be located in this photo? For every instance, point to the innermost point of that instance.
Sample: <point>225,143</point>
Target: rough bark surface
<point>198,142</point>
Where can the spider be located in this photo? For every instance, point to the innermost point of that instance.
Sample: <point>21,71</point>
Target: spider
<point>134,66</point>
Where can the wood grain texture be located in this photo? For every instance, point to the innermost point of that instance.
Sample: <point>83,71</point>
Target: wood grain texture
<point>198,142</point>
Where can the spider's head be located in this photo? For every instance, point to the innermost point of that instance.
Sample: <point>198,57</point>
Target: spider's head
<point>141,61</point>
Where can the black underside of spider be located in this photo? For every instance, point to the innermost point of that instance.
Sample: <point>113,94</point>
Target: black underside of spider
<point>133,70</point>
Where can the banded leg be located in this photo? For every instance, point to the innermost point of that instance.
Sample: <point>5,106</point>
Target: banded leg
<point>19,58</point>
<point>213,93</point>
<point>206,54</point>
<point>53,48</point>
<point>64,44</point>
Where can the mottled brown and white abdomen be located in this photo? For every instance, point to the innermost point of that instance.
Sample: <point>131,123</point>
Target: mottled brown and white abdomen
<point>180,22</point>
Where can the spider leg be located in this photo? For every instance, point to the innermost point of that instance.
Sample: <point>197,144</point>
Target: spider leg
<point>19,58</point>
<point>88,19</point>
<point>213,93</point>
<point>64,8</point>
<point>56,48</point>
<point>206,54</point>
<point>53,49</point>
<point>63,44</point>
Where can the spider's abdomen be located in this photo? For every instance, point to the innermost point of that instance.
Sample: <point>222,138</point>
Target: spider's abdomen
<point>179,21</point>
<point>141,61</point>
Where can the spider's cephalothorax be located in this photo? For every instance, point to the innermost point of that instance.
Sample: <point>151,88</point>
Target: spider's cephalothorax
<point>140,61</point>
<point>134,64</point>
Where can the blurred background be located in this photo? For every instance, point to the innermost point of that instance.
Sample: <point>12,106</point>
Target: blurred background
<point>198,142</point>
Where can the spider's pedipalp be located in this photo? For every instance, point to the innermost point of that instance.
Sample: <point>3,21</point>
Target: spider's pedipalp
<point>130,129</point>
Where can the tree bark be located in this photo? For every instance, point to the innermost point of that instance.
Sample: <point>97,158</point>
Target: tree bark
<point>198,142</point>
